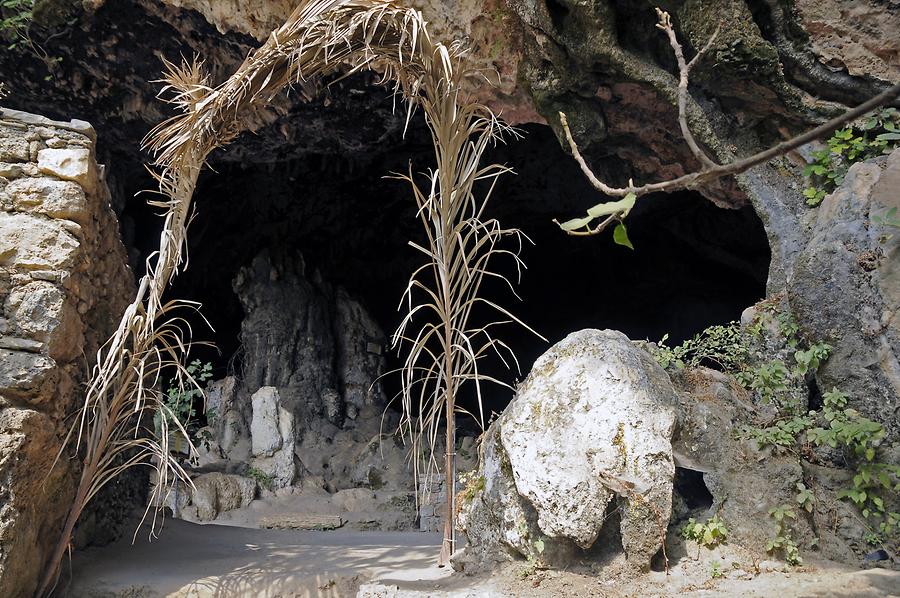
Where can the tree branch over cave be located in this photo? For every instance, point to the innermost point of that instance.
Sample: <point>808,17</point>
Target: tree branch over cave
<point>710,170</point>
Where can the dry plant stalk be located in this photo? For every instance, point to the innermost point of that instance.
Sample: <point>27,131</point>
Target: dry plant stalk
<point>710,169</point>
<point>320,37</point>
<point>444,346</point>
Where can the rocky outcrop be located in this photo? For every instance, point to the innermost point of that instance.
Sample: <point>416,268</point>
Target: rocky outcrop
<point>315,344</point>
<point>63,285</point>
<point>581,465</point>
<point>215,493</point>
<point>590,427</point>
<point>306,408</point>
<point>860,37</point>
<point>845,289</point>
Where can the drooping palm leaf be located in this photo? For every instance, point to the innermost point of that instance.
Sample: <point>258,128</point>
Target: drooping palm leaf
<point>320,37</point>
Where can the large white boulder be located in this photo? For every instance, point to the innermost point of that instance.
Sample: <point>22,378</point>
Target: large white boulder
<point>593,420</point>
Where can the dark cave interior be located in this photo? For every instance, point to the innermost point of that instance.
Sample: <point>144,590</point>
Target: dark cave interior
<point>694,264</point>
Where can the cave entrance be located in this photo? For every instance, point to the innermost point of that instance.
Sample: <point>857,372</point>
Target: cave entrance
<point>694,264</point>
<point>300,257</point>
<point>300,265</point>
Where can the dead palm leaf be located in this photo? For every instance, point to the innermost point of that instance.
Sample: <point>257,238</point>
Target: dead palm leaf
<point>320,37</point>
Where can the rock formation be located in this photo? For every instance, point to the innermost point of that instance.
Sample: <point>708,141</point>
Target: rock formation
<point>589,431</point>
<point>63,286</point>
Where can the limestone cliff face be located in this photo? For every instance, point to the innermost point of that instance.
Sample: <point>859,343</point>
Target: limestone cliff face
<point>63,286</point>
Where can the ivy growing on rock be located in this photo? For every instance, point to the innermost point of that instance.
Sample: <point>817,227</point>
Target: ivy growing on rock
<point>769,359</point>
<point>876,135</point>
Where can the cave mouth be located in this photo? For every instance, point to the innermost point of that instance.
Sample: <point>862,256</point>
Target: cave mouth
<point>694,264</point>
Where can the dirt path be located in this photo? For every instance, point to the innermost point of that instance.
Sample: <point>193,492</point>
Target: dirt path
<point>190,560</point>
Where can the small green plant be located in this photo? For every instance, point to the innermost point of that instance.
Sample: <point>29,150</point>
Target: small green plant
<point>782,434</point>
<point>769,379</point>
<point>858,437</point>
<point>721,346</point>
<point>474,485</point>
<point>887,218</point>
<point>709,534</point>
<point>878,134</point>
<point>181,402</point>
<point>261,478</point>
<point>15,20</point>
<point>715,570</point>
<point>810,359</point>
<point>806,500</point>
<point>783,541</point>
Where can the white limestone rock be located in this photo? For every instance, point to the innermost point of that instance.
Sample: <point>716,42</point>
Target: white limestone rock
<point>33,243</point>
<point>272,437</point>
<point>54,198</point>
<point>265,432</point>
<point>70,164</point>
<point>595,413</point>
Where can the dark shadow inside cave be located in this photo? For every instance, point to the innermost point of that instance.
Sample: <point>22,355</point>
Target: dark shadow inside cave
<point>694,264</point>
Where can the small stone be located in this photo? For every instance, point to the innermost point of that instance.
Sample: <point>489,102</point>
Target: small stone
<point>13,149</point>
<point>34,148</point>
<point>10,171</point>
<point>69,165</point>
<point>56,143</point>
<point>48,275</point>
<point>33,243</point>
<point>24,372</point>
<point>20,344</point>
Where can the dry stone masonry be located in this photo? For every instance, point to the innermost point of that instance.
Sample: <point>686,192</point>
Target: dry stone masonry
<point>63,285</point>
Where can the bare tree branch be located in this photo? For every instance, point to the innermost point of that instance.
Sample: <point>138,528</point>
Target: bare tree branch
<point>684,69</point>
<point>710,171</point>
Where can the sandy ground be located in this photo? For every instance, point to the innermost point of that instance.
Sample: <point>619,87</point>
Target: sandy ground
<point>219,561</point>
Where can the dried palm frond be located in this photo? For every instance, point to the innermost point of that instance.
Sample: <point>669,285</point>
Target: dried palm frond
<point>444,346</point>
<point>320,37</point>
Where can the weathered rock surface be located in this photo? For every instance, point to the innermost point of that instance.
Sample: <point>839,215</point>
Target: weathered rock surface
<point>845,290</point>
<point>63,285</point>
<point>216,493</point>
<point>746,482</point>
<point>272,437</point>
<point>593,420</point>
<point>859,36</point>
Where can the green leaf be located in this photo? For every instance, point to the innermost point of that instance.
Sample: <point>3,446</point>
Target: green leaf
<point>620,236</point>
<point>624,206</point>
<point>575,223</point>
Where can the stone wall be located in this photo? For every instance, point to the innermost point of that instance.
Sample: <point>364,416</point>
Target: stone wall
<point>63,286</point>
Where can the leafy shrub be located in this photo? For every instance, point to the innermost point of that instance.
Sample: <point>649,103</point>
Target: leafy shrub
<point>859,437</point>
<point>181,402</point>
<point>261,478</point>
<point>878,134</point>
<point>15,19</point>
<point>722,346</point>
